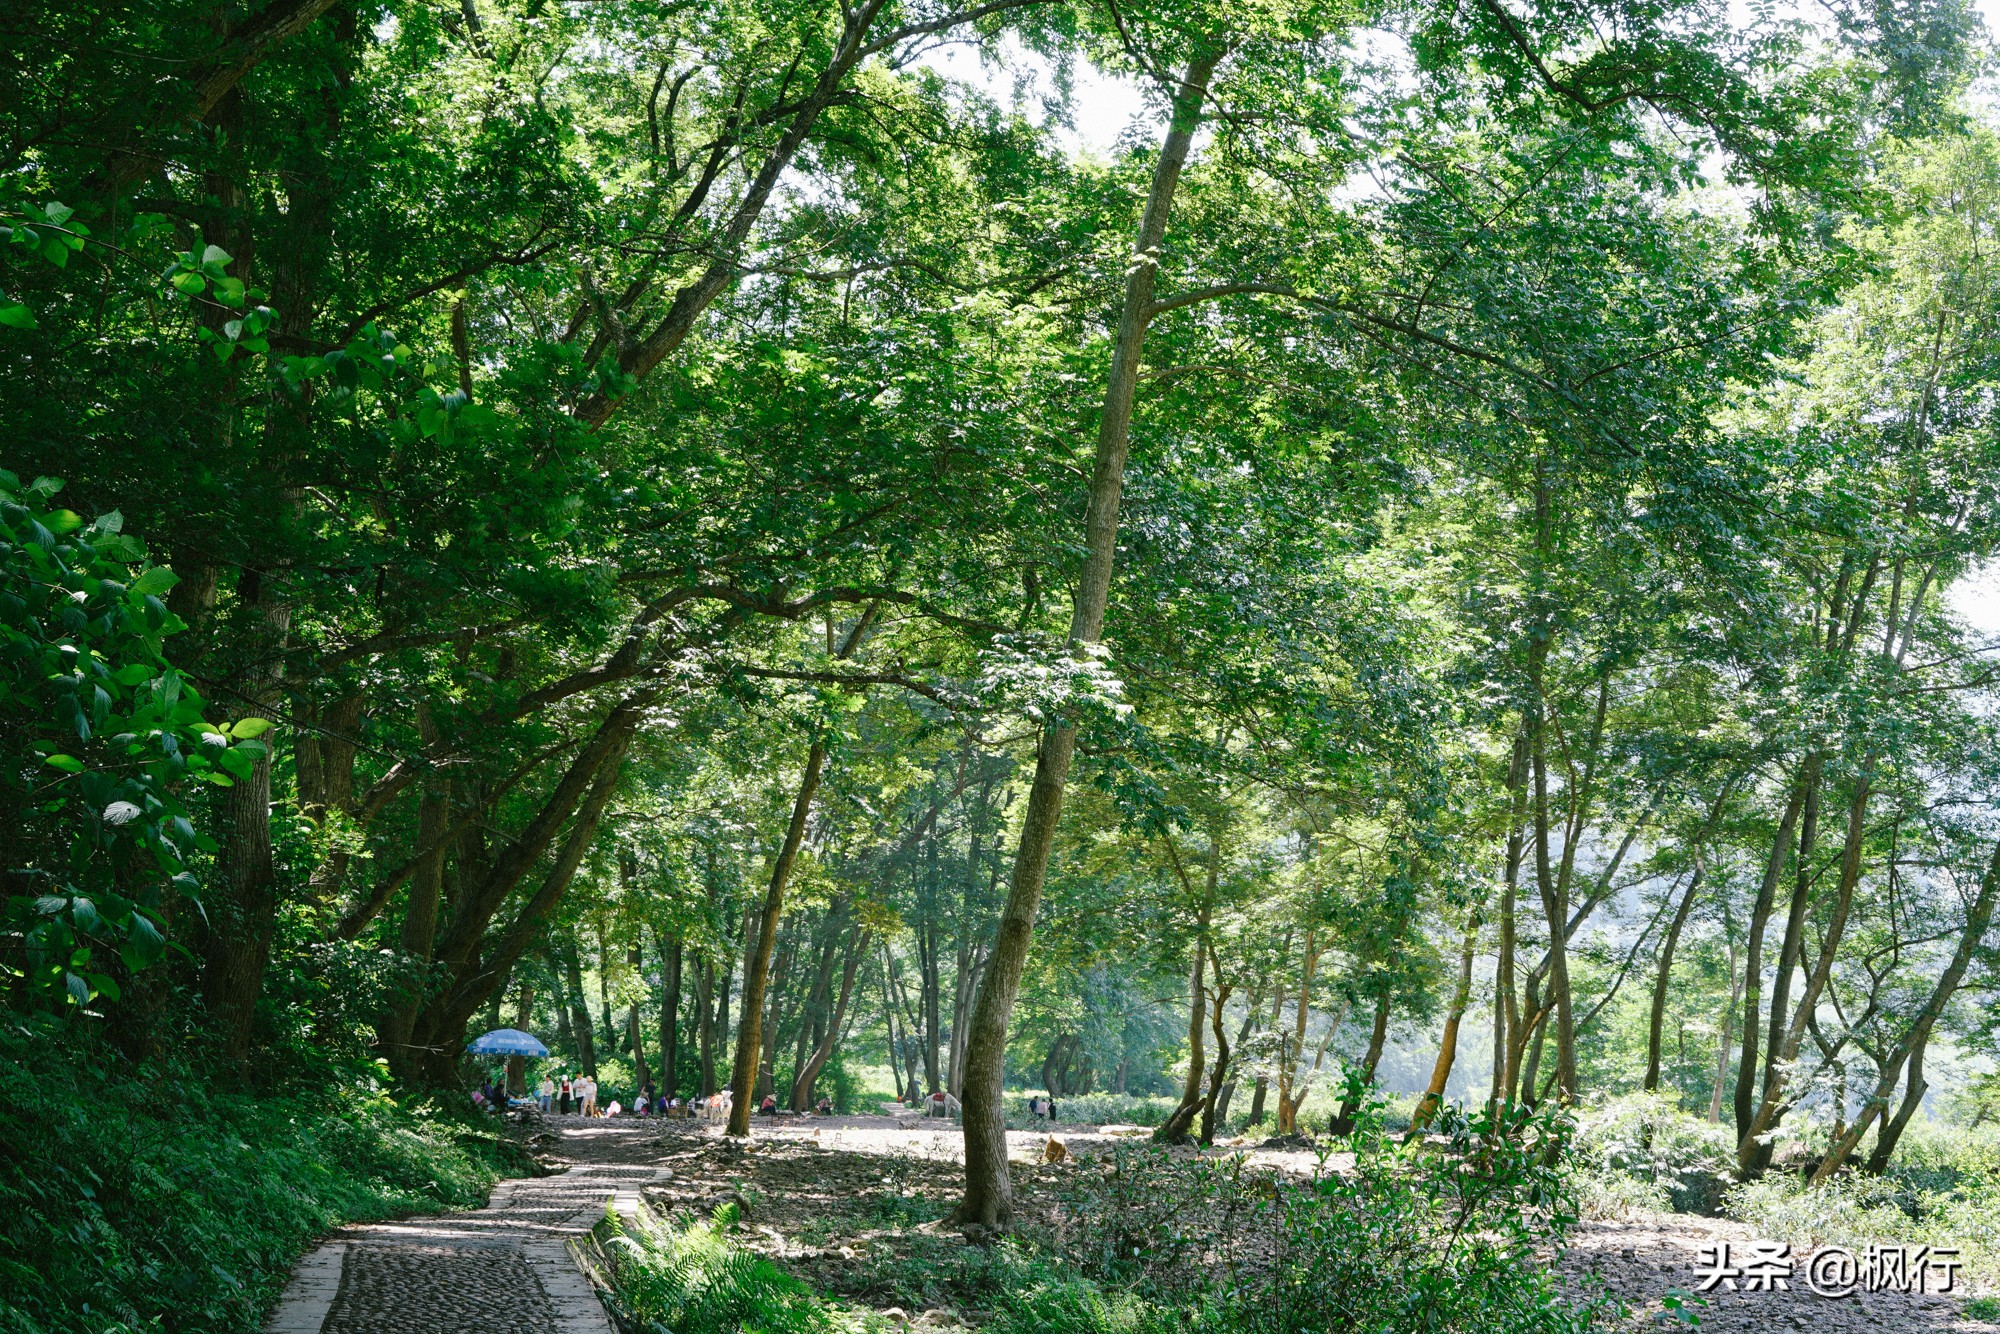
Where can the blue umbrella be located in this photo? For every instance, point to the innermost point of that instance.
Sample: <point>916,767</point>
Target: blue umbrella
<point>507,1042</point>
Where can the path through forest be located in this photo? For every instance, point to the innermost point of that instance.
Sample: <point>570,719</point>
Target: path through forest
<point>504,1269</point>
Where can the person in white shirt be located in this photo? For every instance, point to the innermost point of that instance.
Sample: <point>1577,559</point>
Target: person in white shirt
<point>589,1096</point>
<point>545,1094</point>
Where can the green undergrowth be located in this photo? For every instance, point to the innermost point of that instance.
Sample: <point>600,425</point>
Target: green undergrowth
<point>1450,1236</point>
<point>686,1276</point>
<point>173,1197</point>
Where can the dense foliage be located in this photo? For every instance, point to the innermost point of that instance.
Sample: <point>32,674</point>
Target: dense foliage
<point>767,543</point>
<point>178,1195</point>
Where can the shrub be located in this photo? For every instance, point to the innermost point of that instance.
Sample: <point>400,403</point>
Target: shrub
<point>1853,1210</point>
<point>686,1277</point>
<point>1092,1109</point>
<point>1452,1236</point>
<point>1642,1150</point>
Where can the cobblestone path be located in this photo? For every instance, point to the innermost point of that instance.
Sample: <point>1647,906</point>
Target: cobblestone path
<point>504,1269</point>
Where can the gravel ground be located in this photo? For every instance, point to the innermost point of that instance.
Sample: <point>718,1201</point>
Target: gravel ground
<point>1641,1258</point>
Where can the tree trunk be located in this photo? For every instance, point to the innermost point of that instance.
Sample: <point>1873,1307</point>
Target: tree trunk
<point>669,945</point>
<point>1292,1058</point>
<point>836,1028</point>
<point>420,920</point>
<point>635,1032</point>
<point>1753,964</point>
<point>704,989</point>
<point>889,1024</point>
<point>1554,905</point>
<point>1773,1105</point>
<point>441,1028</point>
<point>517,1066</point>
<point>1663,975</point>
<point>1252,1010</point>
<point>1175,1128</point>
<point>1976,923</point>
<point>1913,1098</point>
<point>1728,1028</point>
<point>1262,1088</point>
<point>243,917</point>
<point>1506,1009</point>
<point>1343,1120</point>
<point>748,1050</point>
<point>1433,1098</point>
<point>989,1194</point>
<point>586,1045</point>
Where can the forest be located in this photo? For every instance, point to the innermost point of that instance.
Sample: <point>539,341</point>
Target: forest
<point>1391,604</point>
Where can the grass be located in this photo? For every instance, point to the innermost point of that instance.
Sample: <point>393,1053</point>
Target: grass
<point>686,1276</point>
<point>171,1197</point>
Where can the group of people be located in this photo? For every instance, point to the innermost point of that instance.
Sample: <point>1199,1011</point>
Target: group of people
<point>1042,1107</point>
<point>562,1094</point>
<point>567,1095</point>
<point>769,1107</point>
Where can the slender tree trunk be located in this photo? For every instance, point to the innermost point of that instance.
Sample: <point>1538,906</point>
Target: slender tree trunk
<point>705,1033</point>
<point>1727,1034</point>
<point>1506,1009</point>
<point>1554,905</point>
<point>1253,1009</point>
<point>1977,921</point>
<point>721,1026</point>
<point>1343,1120</point>
<point>743,1075</point>
<point>1914,1089</point>
<point>1773,1105</point>
<point>989,1194</point>
<point>1221,1069</point>
<point>1753,964</point>
<point>635,1029</point>
<point>1290,1059</point>
<point>524,1018</point>
<point>889,1024</point>
<point>1663,976</point>
<point>421,918</point>
<point>1433,1097</point>
<point>579,1011</point>
<point>1263,1085</point>
<point>1175,1128</point>
<point>836,1028</point>
<point>669,945</point>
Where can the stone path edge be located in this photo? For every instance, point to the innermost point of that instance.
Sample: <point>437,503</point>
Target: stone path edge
<point>309,1296</point>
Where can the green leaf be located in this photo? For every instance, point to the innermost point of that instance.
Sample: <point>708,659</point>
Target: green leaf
<point>64,521</point>
<point>69,764</point>
<point>132,674</point>
<point>245,728</point>
<point>191,284</point>
<point>14,315</point>
<point>215,254</point>
<point>155,581</point>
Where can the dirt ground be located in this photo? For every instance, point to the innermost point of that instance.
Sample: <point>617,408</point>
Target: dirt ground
<point>855,1205</point>
<point>1641,1258</point>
